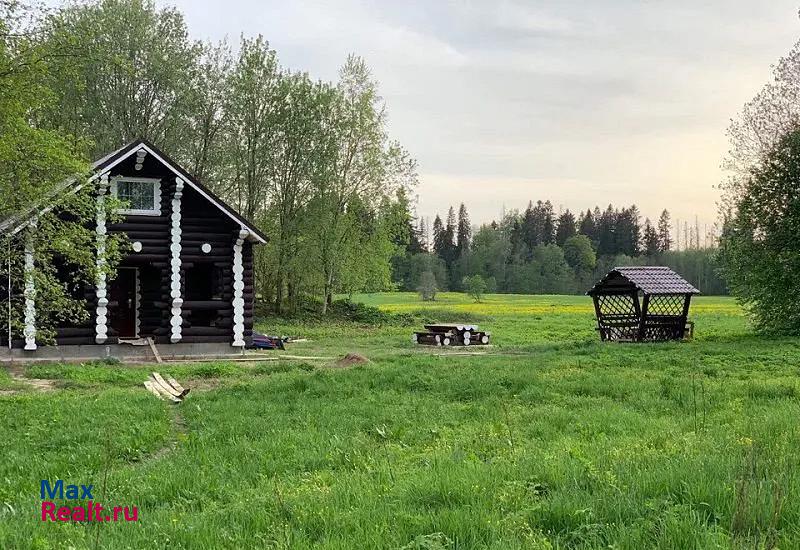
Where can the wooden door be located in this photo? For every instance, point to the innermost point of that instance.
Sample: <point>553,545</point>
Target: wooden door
<point>123,303</point>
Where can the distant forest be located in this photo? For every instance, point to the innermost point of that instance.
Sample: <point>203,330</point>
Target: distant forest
<point>541,252</point>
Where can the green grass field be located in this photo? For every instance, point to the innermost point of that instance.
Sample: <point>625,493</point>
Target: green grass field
<point>548,440</point>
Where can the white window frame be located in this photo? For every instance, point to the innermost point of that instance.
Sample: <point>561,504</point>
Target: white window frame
<point>156,182</point>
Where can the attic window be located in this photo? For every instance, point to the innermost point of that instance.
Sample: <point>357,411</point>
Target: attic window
<point>142,196</point>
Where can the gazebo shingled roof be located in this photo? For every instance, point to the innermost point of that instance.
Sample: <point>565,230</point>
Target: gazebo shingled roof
<point>650,280</point>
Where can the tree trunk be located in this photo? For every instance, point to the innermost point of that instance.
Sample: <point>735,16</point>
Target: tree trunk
<point>327,296</point>
<point>291,296</point>
<point>279,293</point>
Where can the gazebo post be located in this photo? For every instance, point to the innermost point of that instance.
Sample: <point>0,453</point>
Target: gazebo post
<point>597,314</point>
<point>637,309</point>
<point>643,316</point>
<point>687,300</point>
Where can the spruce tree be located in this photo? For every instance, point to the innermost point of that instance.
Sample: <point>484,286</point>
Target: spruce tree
<point>650,241</point>
<point>587,226</point>
<point>664,229</point>
<point>527,231</point>
<point>464,234</point>
<point>606,227</point>
<point>439,238</point>
<point>547,221</point>
<point>450,229</point>
<point>565,228</point>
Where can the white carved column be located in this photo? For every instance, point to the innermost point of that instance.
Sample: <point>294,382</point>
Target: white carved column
<point>238,290</point>
<point>175,248</point>
<point>30,292</point>
<point>101,318</point>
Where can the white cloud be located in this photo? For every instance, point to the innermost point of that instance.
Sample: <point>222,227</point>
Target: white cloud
<point>580,102</point>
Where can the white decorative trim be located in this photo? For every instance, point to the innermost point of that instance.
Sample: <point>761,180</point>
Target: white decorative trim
<point>205,248</point>
<point>30,293</point>
<point>178,174</point>
<point>156,182</point>
<point>140,154</point>
<point>238,290</point>
<point>175,247</point>
<point>101,317</point>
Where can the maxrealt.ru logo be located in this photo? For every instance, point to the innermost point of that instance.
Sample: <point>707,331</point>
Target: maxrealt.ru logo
<point>92,511</point>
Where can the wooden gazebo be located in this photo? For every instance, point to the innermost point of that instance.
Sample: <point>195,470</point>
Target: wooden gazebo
<point>642,303</point>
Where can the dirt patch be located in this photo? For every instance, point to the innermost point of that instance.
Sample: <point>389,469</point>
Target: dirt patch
<point>351,359</point>
<point>17,373</point>
<point>203,384</point>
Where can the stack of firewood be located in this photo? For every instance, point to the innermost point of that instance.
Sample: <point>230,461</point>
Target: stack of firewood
<point>451,335</point>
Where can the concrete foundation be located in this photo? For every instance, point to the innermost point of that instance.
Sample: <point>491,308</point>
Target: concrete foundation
<point>124,352</point>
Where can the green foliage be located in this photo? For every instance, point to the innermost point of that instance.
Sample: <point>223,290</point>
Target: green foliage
<point>565,228</point>
<point>651,243</point>
<point>358,312</point>
<point>760,253</point>
<point>579,254</point>
<point>409,270</point>
<point>475,286</point>
<point>41,167</point>
<point>125,70</point>
<point>310,162</point>
<point>428,286</point>
<point>548,272</point>
<point>501,253</point>
<point>700,267</point>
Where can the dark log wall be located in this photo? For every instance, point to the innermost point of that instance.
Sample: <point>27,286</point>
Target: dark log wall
<point>206,320</point>
<point>203,223</point>
<point>249,291</point>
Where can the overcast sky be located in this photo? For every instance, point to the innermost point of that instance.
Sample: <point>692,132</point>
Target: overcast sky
<point>579,102</point>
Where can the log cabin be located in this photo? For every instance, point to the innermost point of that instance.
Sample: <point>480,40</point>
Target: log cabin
<point>188,275</point>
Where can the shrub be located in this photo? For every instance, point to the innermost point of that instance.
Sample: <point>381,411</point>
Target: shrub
<point>759,247</point>
<point>427,286</point>
<point>475,286</point>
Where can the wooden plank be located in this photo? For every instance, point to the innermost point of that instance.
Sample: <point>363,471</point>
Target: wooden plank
<point>163,393</point>
<point>174,383</point>
<point>151,387</point>
<point>154,349</point>
<point>161,384</point>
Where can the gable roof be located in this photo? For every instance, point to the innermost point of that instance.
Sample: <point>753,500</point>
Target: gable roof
<point>648,279</point>
<point>112,159</point>
<point>15,223</point>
